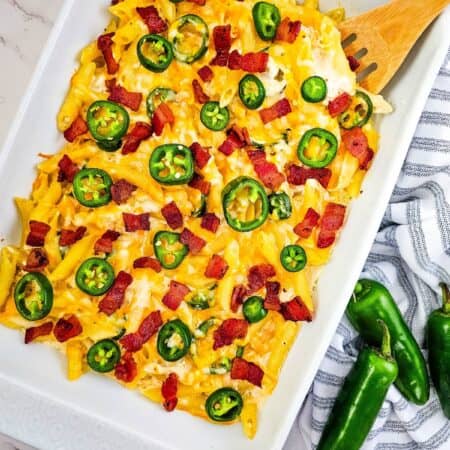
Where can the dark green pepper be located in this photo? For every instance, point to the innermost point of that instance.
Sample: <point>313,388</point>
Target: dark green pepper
<point>359,112</point>
<point>314,89</point>
<point>372,302</point>
<point>174,340</point>
<point>280,206</point>
<point>253,309</point>
<point>252,91</point>
<point>266,17</point>
<point>224,405</point>
<point>92,187</point>
<point>221,367</point>
<point>155,53</point>
<point>168,249</point>
<point>103,356</point>
<point>95,276</point>
<point>293,258</point>
<point>317,148</point>
<point>214,117</point>
<point>172,164</point>
<point>33,296</point>
<point>157,96</point>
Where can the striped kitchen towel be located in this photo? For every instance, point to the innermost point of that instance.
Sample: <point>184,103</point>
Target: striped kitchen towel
<point>411,255</point>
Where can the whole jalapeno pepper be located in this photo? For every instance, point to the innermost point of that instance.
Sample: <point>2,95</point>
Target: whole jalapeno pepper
<point>157,96</point>
<point>224,405</point>
<point>95,276</point>
<point>155,53</point>
<point>168,249</point>
<point>280,206</point>
<point>253,309</point>
<point>372,302</point>
<point>314,89</point>
<point>172,164</point>
<point>252,91</point>
<point>33,296</point>
<point>214,117</point>
<point>293,258</point>
<point>92,187</point>
<point>358,113</point>
<point>317,148</point>
<point>103,356</point>
<point>174,340</point>
<point>266,17</point>
<point>360,398</point>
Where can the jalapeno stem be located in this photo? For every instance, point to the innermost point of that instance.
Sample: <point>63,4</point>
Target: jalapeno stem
<point>445,298</point>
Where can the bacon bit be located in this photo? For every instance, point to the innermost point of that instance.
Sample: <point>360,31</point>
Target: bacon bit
<point>216,268</point>
<point>198,2</point>
<point>120,95</point>
<point>38,231</point>
<point>126,370</point>
<point>104,44</point>
<point>169,390</point>
<point>175,295</point>
<point>245,370</point>
<point>353,63</point>
<point>279,109</point>
<point>133,342</point>
<point>332,221</point>
<point>163,115</point>
<point>237,297</point>
<point>250,62</point>
<point>152,19</point>
<point>198,182</point>
<point>78,127</point>
<point>136,222</point>
<point>206,74</point>
<point>114,298</point>
<point>147,262</point>
<point>34,332</point>
<point>69,237</point>
<point>194,242</point>
<point>272,300</point>
<point>234,60</point>
<point>236,138</point>
<point>210,222</point>
<point>104,244</point>
<point>121,191</point>
<point>67,328</point>
<point>139,133</point>
<point>306,226</point>
<point>201,155</point>
<point>355,141</point>
<point>267,172</point>
<point>296,310</point>
<point>298,175</point>
<point>229,330</point>
<point>222,44</point>
<point>199,94</point>
<point>37,260</point>
<point>288,31</point>
<point>67,169</point>
<point>339,104</point>
<point>173,215</point>
<point>258,275</point>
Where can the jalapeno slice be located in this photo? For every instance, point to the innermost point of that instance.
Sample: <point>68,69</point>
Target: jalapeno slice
<point>95,276</point>
<point>204,327</point>
<point>252,91</point>
<point>92,187</point>
<point>155,53</point>
<point>293,258</point>
<point>224,405</point>
<point>266,17</point>
<point>202,298</point>
<point>174,340</point>
<point>280,206</point>
<point>172,164</point>
<point>168,249</point>
<point>201,209</point>
<point>314,89</point>
<point>214,117</point>
<point>317,148</point>
<point>103,356</point>
<point>157,96</point>
<point>359,112</point>
<point>33,296</point>
<point>245,204</point>
<point>189,36</point>
<point>253,309</point>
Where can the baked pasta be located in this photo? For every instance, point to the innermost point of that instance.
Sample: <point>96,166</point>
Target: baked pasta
<point>174,242</point>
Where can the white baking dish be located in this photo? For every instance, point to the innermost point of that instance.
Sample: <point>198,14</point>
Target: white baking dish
<point>43,409</point>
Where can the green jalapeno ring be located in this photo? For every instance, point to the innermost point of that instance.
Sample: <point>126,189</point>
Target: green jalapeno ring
<point>314,89</point>
<point>173,351</point>
<point>33,296</point>
<point>252,91</point>
<point>267,18</point>
<point>253,309</point>
<point>109,146</point>
<point>168,249</point>
<point>359,112</point>
<point>280,206</point>
<point>224,405</point>
<point>214,117</point>
<point>162,52</point>
<point>202,299</point>
<point>103,356</point>
<point>97,191</point>
<point>163,94</point>
<point>327,139</point>
<point>293,258</point>
<point>95,276</point>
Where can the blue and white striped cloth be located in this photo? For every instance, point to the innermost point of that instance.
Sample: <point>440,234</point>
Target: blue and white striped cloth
<point>411,255</point>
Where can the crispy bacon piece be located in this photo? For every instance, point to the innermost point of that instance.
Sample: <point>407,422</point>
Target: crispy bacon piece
<point>236,138</point>
<point>175,295</point>
<point>147,262</point>
<point>201,155</point>
<point>267,172</point>
<point>198,2</point>
<point>198,182</point>
<point>169,390</point>
<point>67,328</point>
<point>163,115</point>
<point>353,63</point>
<point>139,133</point>
<point>152,19</point>
<point>245,370</point>
<point>272,300</point>
<point>332,221</point>
<point>37,260</point>
<point>104,244</point>
<point>67,169</point>
<point>229,330</point>
<point>210,222</point>
<point>37,234</point>
<point>69,237</point>
<point>126,370</point>
<point>279,109</point>
<point>120,95</point>
<point>296,310</point>
<point>234,60</point>
<point>258,275</point>
<point>133,342</point>
<point>237,297</point>
<point>306,226</point>
<point>34,332</point>
<point>199,94</point>
<point>114,298</point>
<point>121,191</point>
<point>298,175</point>
<point>206,74</point>
<point>173,215</point>
<point>340,104</point>
<point>194,242</point>
<point>250,62</point>
<point>78,127</point>
<point>222,44</point>
<point>104,44</point>
<point>288,31</point>
<point>217,267</point>
<point>136,222</point>
<point>355,141</point>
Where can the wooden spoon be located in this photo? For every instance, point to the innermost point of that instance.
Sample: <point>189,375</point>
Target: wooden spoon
<point>382,38</point>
